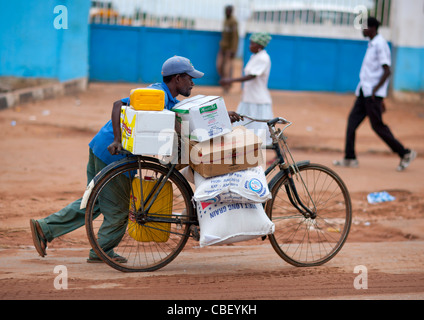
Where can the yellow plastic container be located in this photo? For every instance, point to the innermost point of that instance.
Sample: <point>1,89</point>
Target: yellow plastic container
<point>147,99</point>
<point>151,231</point>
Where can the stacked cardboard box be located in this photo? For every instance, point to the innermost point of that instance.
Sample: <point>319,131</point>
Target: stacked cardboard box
<point>238,150</point>
<point>203,117</point>
<point>223,157</point>
<point>209,143</point>
<point>148,132</point>
<point>214,150</point>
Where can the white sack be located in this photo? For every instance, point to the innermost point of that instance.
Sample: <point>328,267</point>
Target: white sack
<point>248,185</point>
<point>223,223</point>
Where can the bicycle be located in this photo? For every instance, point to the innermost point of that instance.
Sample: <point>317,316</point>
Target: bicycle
<point>310,207</point>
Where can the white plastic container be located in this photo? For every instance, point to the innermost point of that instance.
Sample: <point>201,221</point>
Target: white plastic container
<point>148,132</point>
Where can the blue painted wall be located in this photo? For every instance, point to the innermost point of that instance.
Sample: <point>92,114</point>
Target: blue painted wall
<point>409,69</point>
<point>31,46</point>
<point>313,64</point>
<point>136,54</point>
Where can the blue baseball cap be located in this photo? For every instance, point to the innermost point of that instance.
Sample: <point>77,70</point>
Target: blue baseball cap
<point>177,64</point>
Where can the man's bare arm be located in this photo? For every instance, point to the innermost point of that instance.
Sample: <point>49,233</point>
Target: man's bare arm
<point>116,145</point>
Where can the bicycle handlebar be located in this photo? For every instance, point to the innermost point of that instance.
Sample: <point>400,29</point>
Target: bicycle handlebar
<point>269,122</point>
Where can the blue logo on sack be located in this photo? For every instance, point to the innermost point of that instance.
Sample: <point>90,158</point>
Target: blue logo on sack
<point>255,185</point>
<point>214,200</point>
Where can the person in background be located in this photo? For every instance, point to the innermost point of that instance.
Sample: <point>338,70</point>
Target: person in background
<point>370,92</point>
<point>227,46</point>
<point>256,99</point>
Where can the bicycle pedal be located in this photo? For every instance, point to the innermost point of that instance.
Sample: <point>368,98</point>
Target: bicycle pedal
<point>195,232</point>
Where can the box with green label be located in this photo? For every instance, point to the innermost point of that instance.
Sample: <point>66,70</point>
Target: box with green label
<point>203,117</point>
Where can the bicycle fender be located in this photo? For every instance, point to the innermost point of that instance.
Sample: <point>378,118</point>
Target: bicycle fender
<point>278,176</point>
<point>112,166</point>
<point>100,175</point>
<point>86,195</point>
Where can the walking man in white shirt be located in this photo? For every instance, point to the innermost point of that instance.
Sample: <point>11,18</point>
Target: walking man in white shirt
<point>371,90</point>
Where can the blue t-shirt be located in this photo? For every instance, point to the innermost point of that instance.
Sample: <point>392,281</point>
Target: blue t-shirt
<point>105,136</point>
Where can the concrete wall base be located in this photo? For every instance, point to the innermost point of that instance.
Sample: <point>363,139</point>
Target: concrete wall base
<point>48,91</point>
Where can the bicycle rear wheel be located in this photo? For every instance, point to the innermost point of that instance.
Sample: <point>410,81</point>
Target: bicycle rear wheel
<point>127,238</point>
<point>310,241</point>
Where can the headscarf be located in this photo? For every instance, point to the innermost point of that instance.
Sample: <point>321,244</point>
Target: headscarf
<point>261,38</point>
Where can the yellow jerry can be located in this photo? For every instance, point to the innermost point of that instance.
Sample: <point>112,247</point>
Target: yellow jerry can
<point>147,99</point>
<point>151,231</point>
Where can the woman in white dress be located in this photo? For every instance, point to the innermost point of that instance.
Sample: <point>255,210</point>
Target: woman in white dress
<point>256,99</point>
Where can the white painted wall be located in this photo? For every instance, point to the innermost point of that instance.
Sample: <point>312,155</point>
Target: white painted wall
<point>407,23</point>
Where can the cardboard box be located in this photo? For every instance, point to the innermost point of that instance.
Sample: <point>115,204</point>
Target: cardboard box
<point>234,151</point>
<point>206,116</point>
<point>148,132</point>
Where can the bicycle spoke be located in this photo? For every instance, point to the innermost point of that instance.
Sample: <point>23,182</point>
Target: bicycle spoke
<point>300,239</point>
<point>147,240</point>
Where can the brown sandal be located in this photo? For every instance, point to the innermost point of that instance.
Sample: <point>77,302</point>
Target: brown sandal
<point>115,257</point>
<point>40,242</point>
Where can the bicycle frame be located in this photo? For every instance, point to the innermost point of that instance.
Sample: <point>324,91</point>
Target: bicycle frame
<point>283,162</point>
<point>302,237</point>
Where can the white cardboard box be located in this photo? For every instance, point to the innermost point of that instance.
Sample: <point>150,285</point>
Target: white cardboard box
<point>206,116</point>
<point>148,132</point>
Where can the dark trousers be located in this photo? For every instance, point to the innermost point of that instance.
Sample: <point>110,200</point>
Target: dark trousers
<point>366,106</point>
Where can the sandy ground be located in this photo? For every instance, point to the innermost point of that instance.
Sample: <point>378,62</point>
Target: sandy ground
<point>42,168</point>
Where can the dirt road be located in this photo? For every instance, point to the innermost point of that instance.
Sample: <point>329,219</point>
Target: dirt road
<point>42,169</point>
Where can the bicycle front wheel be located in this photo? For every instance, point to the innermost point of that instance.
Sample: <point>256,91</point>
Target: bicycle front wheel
<point>305,240</point>
<point>131,225</point>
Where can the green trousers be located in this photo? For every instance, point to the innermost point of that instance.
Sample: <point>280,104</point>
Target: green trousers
<point>110,204</point>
